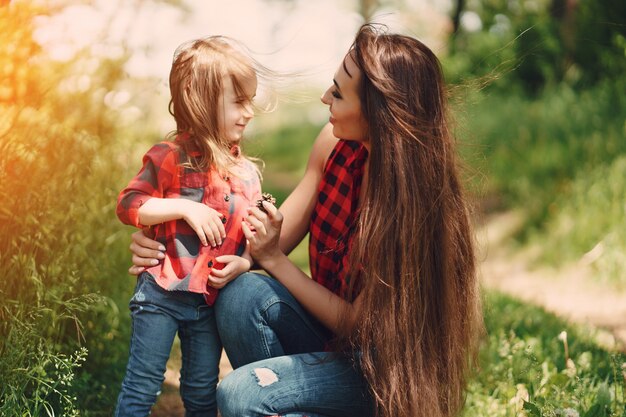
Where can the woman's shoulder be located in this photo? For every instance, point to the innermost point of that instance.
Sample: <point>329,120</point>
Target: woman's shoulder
<point>323,146</point>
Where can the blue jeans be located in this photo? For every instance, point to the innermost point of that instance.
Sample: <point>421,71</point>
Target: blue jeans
<point>276,349</point>
<point>157,315</point>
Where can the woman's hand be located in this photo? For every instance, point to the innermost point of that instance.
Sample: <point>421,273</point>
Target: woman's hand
<point>263,241</point>
<point>146,252</point>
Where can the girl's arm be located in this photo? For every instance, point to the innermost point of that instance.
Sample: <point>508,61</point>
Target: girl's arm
<point>298,207</point>
<point>326,306</point>
<point>205,221</point>
<point>161,210</point>
<point>142,202</point>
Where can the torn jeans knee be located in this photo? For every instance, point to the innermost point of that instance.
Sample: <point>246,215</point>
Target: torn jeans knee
<point>265,376</point>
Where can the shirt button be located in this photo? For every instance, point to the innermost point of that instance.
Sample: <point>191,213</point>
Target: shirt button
<point>226,197</point>
<point>224,220</point>
<point>210,264</point>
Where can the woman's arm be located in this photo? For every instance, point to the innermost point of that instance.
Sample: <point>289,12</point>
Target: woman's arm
<point>327,307</point>
<point>298,207</point>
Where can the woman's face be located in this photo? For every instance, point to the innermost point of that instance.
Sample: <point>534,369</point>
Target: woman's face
<point>345,104</point>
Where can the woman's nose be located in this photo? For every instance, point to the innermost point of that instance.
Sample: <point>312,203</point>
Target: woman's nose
<point>326,97</point>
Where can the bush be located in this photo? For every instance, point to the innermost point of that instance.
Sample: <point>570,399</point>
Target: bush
<point>531,149</point>
<point>62,252</point>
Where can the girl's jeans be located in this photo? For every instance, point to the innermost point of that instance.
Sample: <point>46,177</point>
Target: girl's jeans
<point>157,315</point>
<point>277,350</point>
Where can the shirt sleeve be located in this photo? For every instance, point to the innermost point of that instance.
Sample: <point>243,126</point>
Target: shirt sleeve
<point>153,180</point>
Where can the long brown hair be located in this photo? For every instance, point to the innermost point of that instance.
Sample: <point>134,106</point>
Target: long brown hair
<point>196,86</point>
<point>420,317</point>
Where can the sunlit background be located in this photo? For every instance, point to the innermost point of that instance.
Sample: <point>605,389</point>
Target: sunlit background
<point>305,40</point>
<point>538,95</point>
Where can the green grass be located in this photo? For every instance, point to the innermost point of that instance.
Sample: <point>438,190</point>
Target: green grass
<point>587,223</point>
<point>525,365</point>
<point>559,158</point>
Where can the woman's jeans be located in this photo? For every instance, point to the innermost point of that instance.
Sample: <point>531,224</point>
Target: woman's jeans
<point>277,351</point>
<point>157,315</point>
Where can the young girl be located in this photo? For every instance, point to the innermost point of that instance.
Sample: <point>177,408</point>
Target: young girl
<point>195,190</point>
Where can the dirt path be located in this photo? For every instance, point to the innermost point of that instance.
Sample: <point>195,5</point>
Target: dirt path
<point>570,291</point>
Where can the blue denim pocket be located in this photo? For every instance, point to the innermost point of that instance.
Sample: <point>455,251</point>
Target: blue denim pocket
<point>144,281</point>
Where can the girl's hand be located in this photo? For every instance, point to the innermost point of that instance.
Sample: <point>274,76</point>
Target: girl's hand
<point>263,241</point>
<point>146,252</point>
<point>205,221</point>
<point>234,266</point>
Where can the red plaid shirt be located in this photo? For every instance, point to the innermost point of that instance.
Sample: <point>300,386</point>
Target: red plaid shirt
<point>334,217</point>
<point>187,263</point>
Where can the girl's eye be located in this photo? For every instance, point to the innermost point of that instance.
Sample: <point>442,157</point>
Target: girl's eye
<point>336,94</point>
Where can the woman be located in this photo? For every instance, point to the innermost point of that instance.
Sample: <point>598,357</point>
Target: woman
<point>390,321</point>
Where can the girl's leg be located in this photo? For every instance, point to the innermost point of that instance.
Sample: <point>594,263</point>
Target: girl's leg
<point>152,334</point>
<point>311,384</point>
<point>201,350</point>
<point>258,319</point>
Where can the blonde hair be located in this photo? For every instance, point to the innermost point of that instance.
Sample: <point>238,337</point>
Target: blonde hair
<point>197,86</point>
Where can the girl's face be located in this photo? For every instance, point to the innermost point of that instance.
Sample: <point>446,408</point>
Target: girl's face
<point>345,104</point>
<point>236,110</point>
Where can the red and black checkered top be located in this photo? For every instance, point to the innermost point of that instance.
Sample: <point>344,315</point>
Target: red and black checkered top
<point>187,263</point>
<point>334,217</point>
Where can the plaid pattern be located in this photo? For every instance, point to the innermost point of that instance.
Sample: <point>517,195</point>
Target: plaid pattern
<point>334,216</point>
<point>187,263</point>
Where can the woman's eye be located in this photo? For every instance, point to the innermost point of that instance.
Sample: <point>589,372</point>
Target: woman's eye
<point>336,94</point>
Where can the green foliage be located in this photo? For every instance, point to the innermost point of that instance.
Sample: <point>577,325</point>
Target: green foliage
<point>541,43</point>
<point>63,252</point>
<point>285,152</point>
<point>559,157</point>
<point>531,149</point>
<point>534,362</point>
<point>601,46</point>
<point>590,218</point>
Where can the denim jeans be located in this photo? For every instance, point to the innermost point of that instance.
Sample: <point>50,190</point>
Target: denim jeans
<point>276,349</point>
<point>157,315</point>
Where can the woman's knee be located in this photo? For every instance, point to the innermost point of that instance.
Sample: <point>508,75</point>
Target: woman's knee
<point>244,297</point>
<point>233,393</point>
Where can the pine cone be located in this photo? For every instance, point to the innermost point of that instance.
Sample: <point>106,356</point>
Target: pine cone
<point>265,197</point>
